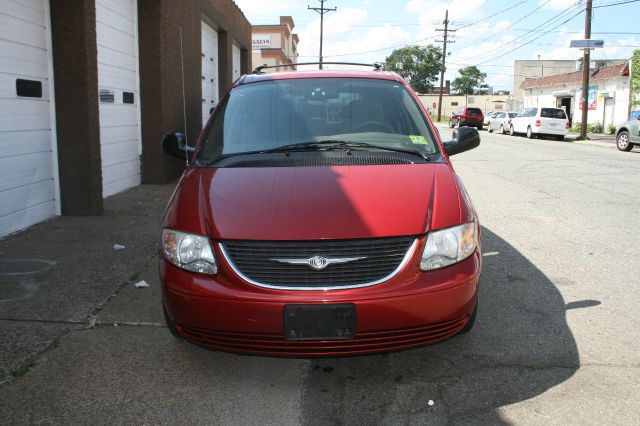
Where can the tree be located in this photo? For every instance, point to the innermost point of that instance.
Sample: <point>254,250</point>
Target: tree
<point>418,65</point>
<point>470,78</point>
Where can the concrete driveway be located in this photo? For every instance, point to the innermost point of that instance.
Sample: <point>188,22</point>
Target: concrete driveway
<point>555,341</point>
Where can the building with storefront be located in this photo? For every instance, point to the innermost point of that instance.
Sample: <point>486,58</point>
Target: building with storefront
<point>89,87</point>
<point>609,89</point>
<point>274,44</point>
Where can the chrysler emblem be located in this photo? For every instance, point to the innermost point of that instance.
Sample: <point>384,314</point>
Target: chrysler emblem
<point>318,262</point>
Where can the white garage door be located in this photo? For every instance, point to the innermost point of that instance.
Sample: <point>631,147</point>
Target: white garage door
<point>236,63</point>
<point>117,37</point>
<point>210,86</point>
<point>28,159</point>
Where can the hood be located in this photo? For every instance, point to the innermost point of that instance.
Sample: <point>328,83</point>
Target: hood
<point>308,203</point>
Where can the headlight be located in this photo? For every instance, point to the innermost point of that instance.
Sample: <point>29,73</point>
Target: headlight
<point>449,246</point>
<point>188,251</point>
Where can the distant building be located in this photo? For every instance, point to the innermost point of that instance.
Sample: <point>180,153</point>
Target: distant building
<point>452,103</point>
<point>608,100</point>
<point>523,70</point>
<point>275,44</point>
<point>446,89</point>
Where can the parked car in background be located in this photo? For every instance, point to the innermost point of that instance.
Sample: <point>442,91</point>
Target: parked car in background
<point>539,122</point>
<point>488,115</point>
<point>628,134</point>
<point>471,117</point>
<point>501,121</point>
<point>274,243</point>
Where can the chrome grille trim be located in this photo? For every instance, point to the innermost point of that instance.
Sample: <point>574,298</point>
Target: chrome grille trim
<point>409,254</point>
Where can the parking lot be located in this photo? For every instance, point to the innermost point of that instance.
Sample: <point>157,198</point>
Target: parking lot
<point>555,341</point>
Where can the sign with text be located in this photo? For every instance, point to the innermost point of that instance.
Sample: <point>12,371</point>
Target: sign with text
<point>592,97</point>
<point>261,42</point>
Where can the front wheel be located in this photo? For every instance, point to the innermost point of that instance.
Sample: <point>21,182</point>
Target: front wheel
<point>490,129</point>
<point>502,132</point>
<point>511,131</point>
<point>622,141</point>
<point>480,127</point>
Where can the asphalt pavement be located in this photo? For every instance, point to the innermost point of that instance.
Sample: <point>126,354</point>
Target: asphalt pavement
<point>555,341</point>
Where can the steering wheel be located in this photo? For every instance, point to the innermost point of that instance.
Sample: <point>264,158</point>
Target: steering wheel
<point>368,125</point>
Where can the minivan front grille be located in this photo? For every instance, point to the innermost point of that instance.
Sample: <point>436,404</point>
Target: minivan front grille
<point>282,264</point>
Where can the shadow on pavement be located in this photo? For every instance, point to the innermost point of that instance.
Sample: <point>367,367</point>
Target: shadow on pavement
<point>520,347</point>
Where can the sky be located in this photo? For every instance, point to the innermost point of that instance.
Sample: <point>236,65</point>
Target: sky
<point>490,34</point>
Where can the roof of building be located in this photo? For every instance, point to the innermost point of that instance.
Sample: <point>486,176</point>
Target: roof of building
<point>576,76</point>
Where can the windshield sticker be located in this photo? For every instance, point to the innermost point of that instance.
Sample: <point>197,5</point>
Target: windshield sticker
<point>417,139</point>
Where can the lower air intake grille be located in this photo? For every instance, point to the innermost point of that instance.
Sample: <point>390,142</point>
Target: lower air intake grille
<point>373,259</point>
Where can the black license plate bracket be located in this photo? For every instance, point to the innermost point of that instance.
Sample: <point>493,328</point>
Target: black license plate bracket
<point>320,322</point>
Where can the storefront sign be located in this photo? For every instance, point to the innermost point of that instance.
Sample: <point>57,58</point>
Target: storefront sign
<point>260,42</point>
<point>592,97</point>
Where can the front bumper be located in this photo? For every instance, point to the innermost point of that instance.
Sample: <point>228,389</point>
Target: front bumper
<point>411,309</point>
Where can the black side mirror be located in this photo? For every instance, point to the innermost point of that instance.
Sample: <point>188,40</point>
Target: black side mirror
<point>175,145</point>
<point>464,139</point>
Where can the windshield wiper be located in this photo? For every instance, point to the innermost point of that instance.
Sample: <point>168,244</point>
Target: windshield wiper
<point>339,144</point>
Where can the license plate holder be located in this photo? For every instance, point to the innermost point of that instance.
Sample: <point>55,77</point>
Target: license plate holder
<point>320,322</point>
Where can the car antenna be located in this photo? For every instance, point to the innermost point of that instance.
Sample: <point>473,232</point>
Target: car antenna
<point>184,102</point>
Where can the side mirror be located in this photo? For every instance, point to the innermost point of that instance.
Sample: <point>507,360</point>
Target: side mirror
<point>464,139</point>
<point>175,145</point>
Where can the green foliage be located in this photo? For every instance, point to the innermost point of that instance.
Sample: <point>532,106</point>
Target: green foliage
<point>611,129</point>
<point>470,78</point>
<point>596,127</point>
<point>420,66</point>
<point>576,127</point>
<point>635,78</point>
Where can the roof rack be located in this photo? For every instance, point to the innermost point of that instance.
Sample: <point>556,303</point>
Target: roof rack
<point>376,66</point>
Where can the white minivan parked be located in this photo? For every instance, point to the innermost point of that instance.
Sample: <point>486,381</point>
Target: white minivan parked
<point>536,122</point>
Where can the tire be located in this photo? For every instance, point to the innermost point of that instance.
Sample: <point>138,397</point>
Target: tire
<point>529,133</point>
<point>472,320</point>
<point>622,141</point>
<point>480,127</point>
<point>511,131</point>
<point>170,324</point>
<point>560,138</point>
<point>490,129</point>
<point>502,132</point>
<point>450,124</point>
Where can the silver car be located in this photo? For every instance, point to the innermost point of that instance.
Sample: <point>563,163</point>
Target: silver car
<point>501,121</point>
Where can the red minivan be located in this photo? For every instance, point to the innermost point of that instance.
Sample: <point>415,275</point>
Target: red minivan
<point>319,215</point>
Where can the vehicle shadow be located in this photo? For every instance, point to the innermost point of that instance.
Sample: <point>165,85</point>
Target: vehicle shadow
<point>520,347</point>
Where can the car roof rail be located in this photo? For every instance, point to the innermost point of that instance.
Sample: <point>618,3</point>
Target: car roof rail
<point>376,66</point>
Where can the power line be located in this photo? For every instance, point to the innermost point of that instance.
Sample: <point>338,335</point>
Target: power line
<point>615,4</point>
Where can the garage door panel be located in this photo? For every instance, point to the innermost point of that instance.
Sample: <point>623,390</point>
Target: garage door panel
<point>24,142</point>
<point>22,52</point>
<point>22,32</point>
<point>14,200</point>
<point>209,84</point>
<point>15,174</point>
<point>124,8</point>
<point>118,115</point>
<point>118,59</point>
<point>24,11</point>
<point>25,218</point>
<point>8,86</point>
<point>115,77</point>
<point>121,152</point>
<point>108,37</point>
<point>24,114</point>
<point>114,19</point>
<point>111,135</point>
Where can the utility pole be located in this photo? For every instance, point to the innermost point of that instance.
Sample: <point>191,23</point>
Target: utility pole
<point>446,31</point>
<point>586,59</point>
<point>321,10</point>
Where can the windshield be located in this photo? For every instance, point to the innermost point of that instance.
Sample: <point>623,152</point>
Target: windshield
<point>271,114</point>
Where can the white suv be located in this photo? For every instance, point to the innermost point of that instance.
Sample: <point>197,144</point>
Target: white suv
<point>541,122</point>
